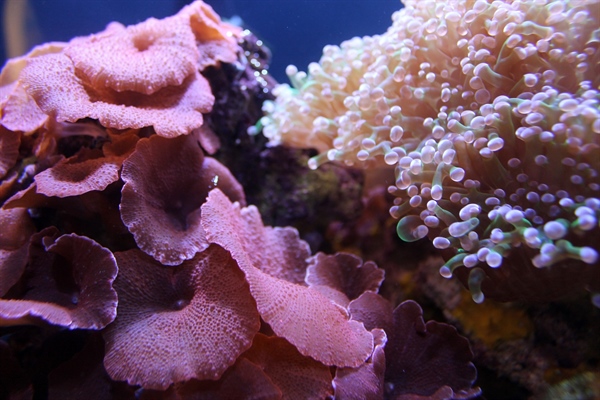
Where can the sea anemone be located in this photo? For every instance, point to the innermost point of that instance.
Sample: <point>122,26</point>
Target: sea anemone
<point>470,103</point>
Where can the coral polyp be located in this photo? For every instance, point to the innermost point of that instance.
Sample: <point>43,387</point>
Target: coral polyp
<point>487,112</point>
<point>529,184</point>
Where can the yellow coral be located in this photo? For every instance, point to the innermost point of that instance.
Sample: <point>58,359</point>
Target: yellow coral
<point>491,322</point>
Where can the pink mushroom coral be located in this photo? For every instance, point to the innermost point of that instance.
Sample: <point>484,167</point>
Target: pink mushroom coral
<point>144,58</point>
<point>178,323</point>
<point>17,228</point>
<point>304,317</point>
<point>172,111</point>
<point>88,169</point>
<point>166,181</point>
<point>84,172</point>
<point>133,77</point>
<point>9,150</point>
<point>345,273</point>
<point>67,282</point>
<point>217,40</point>
<point>19,111</point>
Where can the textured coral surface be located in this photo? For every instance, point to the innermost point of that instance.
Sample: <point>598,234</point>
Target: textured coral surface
<point>154,244</point>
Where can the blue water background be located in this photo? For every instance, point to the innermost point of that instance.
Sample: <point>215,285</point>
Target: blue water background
<point>295,31</point>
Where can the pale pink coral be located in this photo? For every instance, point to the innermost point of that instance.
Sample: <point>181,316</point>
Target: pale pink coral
<point>143,58</point>
<point>19,110</point>
<point>172,111</point>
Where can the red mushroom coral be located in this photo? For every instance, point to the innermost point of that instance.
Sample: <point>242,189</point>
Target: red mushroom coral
<point>422,360</point>
<point>297,376</point>
<point>244,380</point>
<point>14,245</point>
<point>303,316</point>
<point>344,273</point>
<point>84,374</point>
<point>427,359</point>
<point>166,181</point>
<point>9,150</point>
<point>373,310</point>
<point>179,323</point>
<point>67,282</point>
<point>13,377</point>
<point>365,382</point>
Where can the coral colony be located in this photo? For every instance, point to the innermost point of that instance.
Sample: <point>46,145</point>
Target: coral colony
<point>488,116</point>
<point>142,168</point>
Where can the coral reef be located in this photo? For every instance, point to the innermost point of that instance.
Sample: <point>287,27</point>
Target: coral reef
<point>487,112</point>
<point>156,245</point>
<point>135,265</point>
